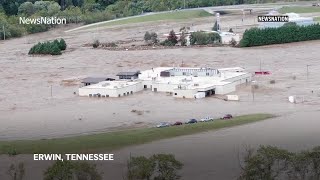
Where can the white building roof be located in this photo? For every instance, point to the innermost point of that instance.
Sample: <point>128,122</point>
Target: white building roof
<point>191,82</point>
<point>111,85</point>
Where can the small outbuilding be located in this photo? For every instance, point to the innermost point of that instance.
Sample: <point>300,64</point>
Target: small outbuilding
<point>94,80</point>
<point>128,75</point>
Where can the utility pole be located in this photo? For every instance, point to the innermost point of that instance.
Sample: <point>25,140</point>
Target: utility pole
<point>260,66</point>
<point>308,71</point>
<point>252,89</point>
<point>4,33</point>
<point>51,90</point>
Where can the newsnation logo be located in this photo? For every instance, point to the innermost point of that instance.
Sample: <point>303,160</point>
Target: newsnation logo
<point>273,18</point>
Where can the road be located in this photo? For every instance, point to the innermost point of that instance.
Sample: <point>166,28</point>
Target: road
<point>211,10</point>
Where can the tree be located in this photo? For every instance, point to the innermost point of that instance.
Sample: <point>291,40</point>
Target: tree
<point>216,26</point>
<point>62,44</point>
<point>167,167</point>
<point>233,42</point>
<point>54,49</point>
<point>183,39</point>
<point>60,170</point>
<point>26,8</point>
<point>16,172</point>
<point>96,44</point>
<point>154,38</point>
<point>280,35</point>
<point>69,170</point>
<point>140,168</point>
<point>172,37</point>
<point>147,36</point>
<point>203,38</point>
<point>272,163</point>
<point>157,167</point>
<point>86,171</point>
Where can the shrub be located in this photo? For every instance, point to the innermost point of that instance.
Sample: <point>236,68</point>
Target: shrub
<point>231,30</point>
<point>12,152</point>
<point>52,48</point>
<point>147,36</point>
<point>110,44</point>
<point>62,44</point>
<point>183,39</point>
<point>280,35</point>
<point>172,37</point>
<point>233,42</point>
<point>96,44</point>
<point>154,38</point>
<point>167,43</point>
<point>202,38</point>
<point>151,37</point>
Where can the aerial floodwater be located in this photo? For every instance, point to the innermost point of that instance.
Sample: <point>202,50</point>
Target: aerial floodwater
<point>40,97</point>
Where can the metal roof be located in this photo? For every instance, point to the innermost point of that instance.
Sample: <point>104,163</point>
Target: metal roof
<point>95,79</point>
<point>135,73</point>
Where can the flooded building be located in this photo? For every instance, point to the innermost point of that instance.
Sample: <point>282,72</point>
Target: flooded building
<point>180,82</point>
<point>111,89</point>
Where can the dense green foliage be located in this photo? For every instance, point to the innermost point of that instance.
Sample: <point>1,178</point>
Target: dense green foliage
<point>203,38</point>
<point>284,34</point>
<point>157,167</point>
<point>151,38</point>
<point>88,11</point>
<point>54,47</point>
<point>171,40</point>
<point>71,170</point>
<point>272,163</point>
<point>299,9</point>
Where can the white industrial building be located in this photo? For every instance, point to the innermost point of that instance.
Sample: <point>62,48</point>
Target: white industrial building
<point>111,89</point>
<point>181,82</point>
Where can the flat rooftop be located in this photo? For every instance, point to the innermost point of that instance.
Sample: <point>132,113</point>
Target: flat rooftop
<point>111,85</point>
<point>221,79</point>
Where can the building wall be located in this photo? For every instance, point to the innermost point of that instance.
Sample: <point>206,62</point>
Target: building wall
<point>225,89</point>
<point>245,78</point>
<point>111,92</point>
<point>161,87</point>
<point>184,93</point>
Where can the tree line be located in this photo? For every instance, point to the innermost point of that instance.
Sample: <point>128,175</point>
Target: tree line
<point>287,33</point>
<point>273,163</point>
<point>89,11</point>
<point>49,47</point>
<point>156,167</point>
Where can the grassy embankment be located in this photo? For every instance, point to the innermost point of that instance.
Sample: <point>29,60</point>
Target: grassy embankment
<point>106,142</point>
<point>174,15</point>
<point>299,9</point>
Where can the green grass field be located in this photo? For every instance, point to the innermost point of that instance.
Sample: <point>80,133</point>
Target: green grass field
<point>174,15</point>
<point>105,142</point>
<point>299,9</point>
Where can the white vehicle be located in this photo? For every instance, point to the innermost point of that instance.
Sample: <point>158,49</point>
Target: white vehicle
<point>163,124</point>
<point>206,119</point>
